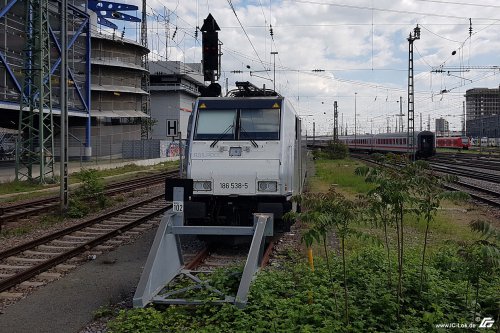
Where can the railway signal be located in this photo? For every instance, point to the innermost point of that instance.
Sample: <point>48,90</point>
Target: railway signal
<point>210,44</point>
<point>211,56</point>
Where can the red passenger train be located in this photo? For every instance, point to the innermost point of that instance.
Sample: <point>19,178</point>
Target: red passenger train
<point>457,142</point>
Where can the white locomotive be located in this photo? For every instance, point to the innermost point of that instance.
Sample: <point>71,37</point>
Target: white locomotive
<point>245,155</point>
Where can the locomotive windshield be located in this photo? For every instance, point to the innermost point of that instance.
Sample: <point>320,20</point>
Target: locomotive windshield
<point>216,124</point>
<point>239,124</point>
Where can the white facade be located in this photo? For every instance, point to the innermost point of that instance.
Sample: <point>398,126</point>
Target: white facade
<point>174,89</point>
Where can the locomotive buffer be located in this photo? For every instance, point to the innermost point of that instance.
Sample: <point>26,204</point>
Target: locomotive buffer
<point>165,262</point>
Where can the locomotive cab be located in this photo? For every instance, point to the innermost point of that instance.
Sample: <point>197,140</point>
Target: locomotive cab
<point>244,156</point>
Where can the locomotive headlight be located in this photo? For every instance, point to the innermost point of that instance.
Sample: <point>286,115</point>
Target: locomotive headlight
<point>202,185</point>
<point>267,186</point>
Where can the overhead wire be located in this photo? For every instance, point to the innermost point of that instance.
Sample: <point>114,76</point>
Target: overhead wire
<point>284,69</point>
<point>246,34</point>
<point>383,9</point>
<point>461,3</point>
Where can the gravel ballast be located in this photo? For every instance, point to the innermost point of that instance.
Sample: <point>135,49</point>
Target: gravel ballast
<point>68,304</point>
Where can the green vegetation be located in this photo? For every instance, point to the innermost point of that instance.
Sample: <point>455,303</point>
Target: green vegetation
<point>338,173</point>
<point>164,166</point>
<point>334,150</point>
<point>87,195</point>
<point>104,311</point>
<point>21,186</point>
<point>292,298</point>
<point>119,172</point>
<point>401,264</point>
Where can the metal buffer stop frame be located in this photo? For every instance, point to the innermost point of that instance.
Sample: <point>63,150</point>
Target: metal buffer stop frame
<point>165,262</point>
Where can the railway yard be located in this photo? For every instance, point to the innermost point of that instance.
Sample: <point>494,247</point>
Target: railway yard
<point>74,275</point>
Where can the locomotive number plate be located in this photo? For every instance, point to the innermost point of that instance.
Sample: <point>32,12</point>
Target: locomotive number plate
<point>233,186</point>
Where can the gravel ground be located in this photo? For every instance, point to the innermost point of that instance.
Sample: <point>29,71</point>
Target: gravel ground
<point>39,228</point>
<point>69,304</point>
<point>43,225</point>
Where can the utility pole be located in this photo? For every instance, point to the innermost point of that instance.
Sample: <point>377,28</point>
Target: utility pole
<point>463,118</point>
<point>274,53</point>
<point>342,123</point>
<point>410,138</point>
<point>36,137</point>
<point>401,113</point>
<point>63,159</point>
<point>145,80</point>
<point>314,133</point>
<point>335,122</point>
<point>355,128</point>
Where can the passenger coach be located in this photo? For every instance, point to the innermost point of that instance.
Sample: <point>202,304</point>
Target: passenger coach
<point>425,145</point>
<point>245,155</point>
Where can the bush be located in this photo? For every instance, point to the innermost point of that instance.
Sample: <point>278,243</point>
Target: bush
<point>90,192</point>
<point>295,299</point>
<point>335,150</point>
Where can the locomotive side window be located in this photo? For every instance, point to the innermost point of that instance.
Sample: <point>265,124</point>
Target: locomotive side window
<point>259,124</point>
<point>216,125</point>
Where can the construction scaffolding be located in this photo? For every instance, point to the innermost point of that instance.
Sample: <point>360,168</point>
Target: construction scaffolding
<point>30,56</point>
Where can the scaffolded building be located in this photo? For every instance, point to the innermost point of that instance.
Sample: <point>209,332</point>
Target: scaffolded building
<point>104,81</point>
<point>483,112</point>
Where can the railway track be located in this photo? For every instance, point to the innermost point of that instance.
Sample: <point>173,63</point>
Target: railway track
<point>479,192</point>
<point>465,172</point>
<point>467,161</point>
<point>32,259</point>
<point>19,211</point>
<point>193,285</point>
<point>491,198</point>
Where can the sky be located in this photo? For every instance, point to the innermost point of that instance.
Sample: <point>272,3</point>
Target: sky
<point>355,52</point>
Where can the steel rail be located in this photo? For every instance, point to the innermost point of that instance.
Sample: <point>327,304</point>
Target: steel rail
<point>32,244</point>
<point>486,200</point>
<point>476,196</point>
<point>451,169</point>
<point>37,269</point>
<point>9,212</point>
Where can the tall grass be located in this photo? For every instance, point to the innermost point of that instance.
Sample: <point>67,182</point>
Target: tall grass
<point>339,173</point>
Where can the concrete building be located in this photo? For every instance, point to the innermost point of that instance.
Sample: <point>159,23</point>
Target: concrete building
<point>14,51</point>
<point>104,79</point>
<point>488,126</point>
<point>442,126</point>
<point>480,102</point>
<point>174,89</point>
<point>483,112</point>
<point>116,92</point>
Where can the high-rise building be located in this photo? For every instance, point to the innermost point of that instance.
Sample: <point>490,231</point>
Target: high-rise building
<point>482,102</point>
<point>483,112</point>
<point>442,126</point>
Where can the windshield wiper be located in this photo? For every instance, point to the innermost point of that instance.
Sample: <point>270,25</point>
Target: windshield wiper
<point>221,135</point>
<point>249,138</point>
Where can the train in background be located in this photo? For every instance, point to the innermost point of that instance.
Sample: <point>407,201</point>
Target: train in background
<point>425,143</point>
<point>453,142</point>
<point>485,142</point>
<point>245,154</point>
